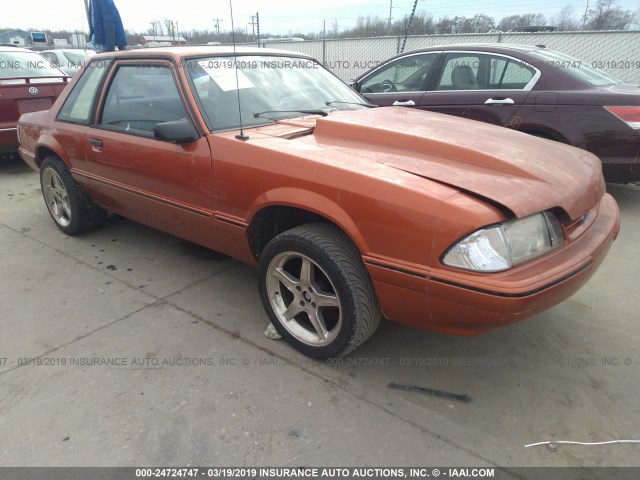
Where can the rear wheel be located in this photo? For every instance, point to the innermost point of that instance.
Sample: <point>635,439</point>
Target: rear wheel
<point>71,208</point>
<point>316,291</point>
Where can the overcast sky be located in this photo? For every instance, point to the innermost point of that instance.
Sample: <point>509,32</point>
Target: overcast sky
<point>276,16</point>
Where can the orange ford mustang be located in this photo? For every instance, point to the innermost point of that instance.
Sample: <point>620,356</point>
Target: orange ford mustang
<point>351,213</point>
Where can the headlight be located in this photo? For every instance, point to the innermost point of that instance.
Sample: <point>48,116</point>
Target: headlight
<point>510,243</point>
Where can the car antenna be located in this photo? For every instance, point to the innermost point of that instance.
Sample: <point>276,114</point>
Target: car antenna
<point>241,136</point>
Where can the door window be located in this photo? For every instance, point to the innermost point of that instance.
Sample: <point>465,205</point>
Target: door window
<point>459,72</point>
<point>406,74</point>
<point>140,97</point>
<point>467,71</point>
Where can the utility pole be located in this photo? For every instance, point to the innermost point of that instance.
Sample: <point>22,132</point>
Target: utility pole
<point>217,21</point>
<point>389,24</point>
<point>253,26</point>
<point>173,31</point>
<point>258,27</point>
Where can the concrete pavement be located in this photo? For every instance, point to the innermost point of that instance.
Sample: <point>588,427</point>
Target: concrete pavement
<point>127,346</point>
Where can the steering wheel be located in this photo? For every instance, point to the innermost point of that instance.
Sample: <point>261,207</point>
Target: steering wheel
<point>388,86</point>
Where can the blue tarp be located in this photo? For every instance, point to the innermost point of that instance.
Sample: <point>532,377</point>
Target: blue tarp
<point>105,30</point>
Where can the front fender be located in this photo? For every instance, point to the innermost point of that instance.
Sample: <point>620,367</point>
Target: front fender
<point>313,202</point>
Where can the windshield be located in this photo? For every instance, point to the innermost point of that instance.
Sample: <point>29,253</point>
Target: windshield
<point>271,88</point>
<point>577,68</point>
<point>26,64</point>
<point>76,57</point>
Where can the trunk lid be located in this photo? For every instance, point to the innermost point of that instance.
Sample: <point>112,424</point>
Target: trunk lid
<point>23,95</point>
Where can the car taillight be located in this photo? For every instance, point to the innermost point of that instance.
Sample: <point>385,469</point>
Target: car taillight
<point>629,115</point>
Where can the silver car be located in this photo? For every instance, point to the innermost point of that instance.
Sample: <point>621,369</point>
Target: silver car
<point>68,60</point>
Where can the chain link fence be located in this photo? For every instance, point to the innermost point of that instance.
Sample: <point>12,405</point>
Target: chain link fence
<point>617,53</point>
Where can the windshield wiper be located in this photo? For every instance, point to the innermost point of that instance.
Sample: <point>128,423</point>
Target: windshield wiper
<point>308,112</point>
<point>368,105</point>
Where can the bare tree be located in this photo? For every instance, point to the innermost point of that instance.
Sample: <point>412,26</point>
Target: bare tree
<point>423,23</point>
<point>335,29</point>
<point>447,25</point>
<point>525,20</point>
<point>155,28</point>
<point>443,25</point>
<point>635,23</point>
<point>368,27</point>
<point>480,23</point>
<point>133,38</point>
<point>606,15</point>
<point>168,26</point>
<point>566,20</point>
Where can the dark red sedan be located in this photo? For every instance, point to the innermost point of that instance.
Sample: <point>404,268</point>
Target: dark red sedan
<point>28,83</point>
<point>529,88</point>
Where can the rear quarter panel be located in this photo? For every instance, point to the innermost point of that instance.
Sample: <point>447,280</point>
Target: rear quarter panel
<point>16,100</point>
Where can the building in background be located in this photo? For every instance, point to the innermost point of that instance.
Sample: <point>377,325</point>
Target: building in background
<point>78,40</point>
<point>163,39</point>
<point>19,38</point>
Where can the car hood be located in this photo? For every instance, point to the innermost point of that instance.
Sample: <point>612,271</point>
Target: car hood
<point>525,174</point>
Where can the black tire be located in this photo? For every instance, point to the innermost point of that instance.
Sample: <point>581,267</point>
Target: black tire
<point>337,276</point>
<point>71,209</point>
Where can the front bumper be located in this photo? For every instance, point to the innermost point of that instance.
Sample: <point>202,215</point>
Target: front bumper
<point>465,303</point>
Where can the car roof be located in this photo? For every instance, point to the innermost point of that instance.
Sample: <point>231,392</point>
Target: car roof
<point>198,51</point>
<point>4,48</point>
<point>497,47</point>
<point>66,50</point>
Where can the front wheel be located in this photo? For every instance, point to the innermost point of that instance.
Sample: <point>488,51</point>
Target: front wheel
<point>316,291</point>
<point>70,207</point>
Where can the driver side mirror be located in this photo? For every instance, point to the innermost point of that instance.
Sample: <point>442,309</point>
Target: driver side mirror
<point>177,131</point>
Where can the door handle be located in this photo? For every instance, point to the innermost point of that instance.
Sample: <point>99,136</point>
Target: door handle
<point>404,103</point>
<point>499,101</point>
<point>95,142</point>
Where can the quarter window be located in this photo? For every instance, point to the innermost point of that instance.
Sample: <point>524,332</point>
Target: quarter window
<point>516,75</point>
<point>77,106</point>
<point>140,97</point>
